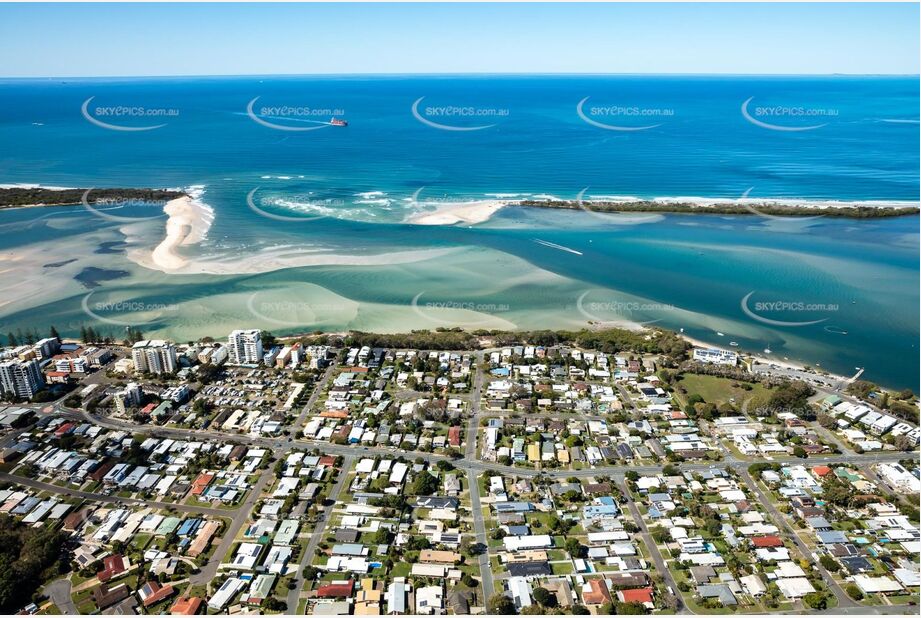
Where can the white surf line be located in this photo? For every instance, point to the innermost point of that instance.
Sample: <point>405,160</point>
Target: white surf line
<point>556,246</point>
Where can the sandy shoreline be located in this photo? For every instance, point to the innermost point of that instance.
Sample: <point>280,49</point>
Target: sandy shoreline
<point>806,204</point>
<point>451,213</point>
<point>763,360</point>
<point>188,224</point>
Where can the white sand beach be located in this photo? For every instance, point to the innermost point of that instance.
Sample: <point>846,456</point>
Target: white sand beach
<point>188,223</point>
<point>451,213</point>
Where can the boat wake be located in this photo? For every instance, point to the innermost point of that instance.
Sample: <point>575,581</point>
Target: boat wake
<point>553,245</point>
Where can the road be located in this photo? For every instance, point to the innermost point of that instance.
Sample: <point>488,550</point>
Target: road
<point>844,601</point>
<point>88,495</point>
<point>240,517</point>
<point>651,546</point>
<point>279,444</point>
<point>479,527</point>
<point>59,593</point>
<point>294,594</point>
<point>473,425</point>
<point>318,389</point>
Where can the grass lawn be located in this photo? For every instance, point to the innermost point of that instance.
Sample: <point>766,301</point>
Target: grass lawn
<point>719,390</point>
<point>561,568</point>
<point>76,579</point>
<point>400,569</point>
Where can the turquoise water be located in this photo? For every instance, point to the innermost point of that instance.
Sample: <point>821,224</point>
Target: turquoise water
<point>856,280</point>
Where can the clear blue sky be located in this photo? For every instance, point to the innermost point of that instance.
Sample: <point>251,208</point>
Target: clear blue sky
<point>245,39</point>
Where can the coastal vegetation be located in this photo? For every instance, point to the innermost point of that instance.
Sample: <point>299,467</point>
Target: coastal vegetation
<point>16,197</point>
<point>28,557</point>
<point>767,208</point>
<point>901,404</point>
<point>608,340</point>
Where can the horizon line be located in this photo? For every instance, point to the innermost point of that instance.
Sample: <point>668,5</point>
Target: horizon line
<point>453,74</point>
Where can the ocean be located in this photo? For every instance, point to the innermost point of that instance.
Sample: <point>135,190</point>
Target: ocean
<point>310,228</point>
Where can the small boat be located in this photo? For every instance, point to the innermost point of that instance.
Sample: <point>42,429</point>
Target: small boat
<point>720,334</point>
<point>734,344</point>
<point>337,122</point>
<point>767,350</point>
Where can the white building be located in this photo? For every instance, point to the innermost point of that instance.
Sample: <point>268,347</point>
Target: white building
<point>154,356</point>
<point>245,347</point>
<point>715,356</point>
<point>899,478</point>
<point>129,397</point>
<point>21,378</point>
<point>226,593</point>
<point>521,592</point>
<point>429,600</point>
<point>47,347</point>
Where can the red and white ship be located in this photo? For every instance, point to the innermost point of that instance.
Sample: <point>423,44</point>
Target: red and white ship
<point>336,122</point>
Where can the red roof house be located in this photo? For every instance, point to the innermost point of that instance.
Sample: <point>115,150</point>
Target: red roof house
<point>201,483</point>
<point>186,606</point>
<point>636,595</point>
<point>769,540</point>
<point>152,593</point>
<point>596,592</point>
<point>111,566</point>
<point>336,590</point>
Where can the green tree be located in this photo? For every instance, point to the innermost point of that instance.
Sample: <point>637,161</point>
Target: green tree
<point>575,548</point>
<point>816,600</point>
<point>830,563</point>
<point>544,597</point>
<point>423,485</point>
<point>500,605</point>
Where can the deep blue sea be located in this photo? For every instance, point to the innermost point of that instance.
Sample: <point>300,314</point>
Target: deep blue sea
<point>841,293</point>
